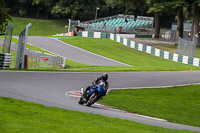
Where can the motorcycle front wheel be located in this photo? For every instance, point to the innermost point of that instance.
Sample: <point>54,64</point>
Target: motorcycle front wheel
<point>81,101</point>
<point>93,98</point>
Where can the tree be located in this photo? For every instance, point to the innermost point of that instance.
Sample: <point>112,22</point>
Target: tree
<point>4,16</point>
<point>195,20</point>
<point>193,7</point>
<point>158,7</point>
<point>112,7</point>
<point>38,3</point>
<point>47,5</point>
<point>154,6</point>
<point>76,9</point>
<point>179,4</point>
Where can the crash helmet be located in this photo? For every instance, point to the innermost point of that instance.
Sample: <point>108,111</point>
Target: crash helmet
<point>105,76</point>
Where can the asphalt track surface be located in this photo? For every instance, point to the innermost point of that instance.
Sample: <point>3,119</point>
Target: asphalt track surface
<point>49,88</point>
<point>71,52</point>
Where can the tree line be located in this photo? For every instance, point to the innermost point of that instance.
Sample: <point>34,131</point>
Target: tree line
<point>183,9</point>
<point>164,11</point>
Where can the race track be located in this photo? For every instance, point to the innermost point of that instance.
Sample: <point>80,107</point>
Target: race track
<point>49,88</point>
<point>73,53</point>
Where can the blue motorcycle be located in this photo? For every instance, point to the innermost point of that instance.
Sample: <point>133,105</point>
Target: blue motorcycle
<point>93,94</point>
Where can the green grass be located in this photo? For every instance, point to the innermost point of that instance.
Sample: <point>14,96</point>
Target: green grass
<point>175,104</point>
<point>69,64</point>
<point>39,27</point>
<point>139,60</point>
<point>27,117</point>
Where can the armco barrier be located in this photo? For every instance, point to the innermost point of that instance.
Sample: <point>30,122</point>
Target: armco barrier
<point>107,35</point>
<point>94,34</point>
<point>145,48</point>
<point>5,60</point>
<point>156,52</point>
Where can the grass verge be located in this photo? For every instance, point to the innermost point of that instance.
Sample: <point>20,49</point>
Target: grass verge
<point>175,104</point>
<point>21,116</point>
<point>139,60</point>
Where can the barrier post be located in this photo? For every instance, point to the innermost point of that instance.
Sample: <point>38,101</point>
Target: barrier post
<point>26,61</point>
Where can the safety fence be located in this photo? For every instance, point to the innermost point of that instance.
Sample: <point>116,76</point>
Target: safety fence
<point>36,55</point>
<point>8,38</point>
<point>186,47</point>
<point>42,58</point>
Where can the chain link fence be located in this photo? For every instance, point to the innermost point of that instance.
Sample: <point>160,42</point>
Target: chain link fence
<point>8,38</point>
<point>50,59</point>
<point>186,47</point>
<point>34,56</point>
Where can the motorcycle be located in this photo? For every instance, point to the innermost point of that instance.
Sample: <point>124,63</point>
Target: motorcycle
<point>93,94</point>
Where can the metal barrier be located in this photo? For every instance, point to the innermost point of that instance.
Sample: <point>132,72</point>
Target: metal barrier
<point>186,47</point>
<point>56,60</point>
<point>8,38</point>
<point>20,61</point>
<point>5,60</point>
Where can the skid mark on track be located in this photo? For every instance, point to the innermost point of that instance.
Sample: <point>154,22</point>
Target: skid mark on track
<point>77,95</point>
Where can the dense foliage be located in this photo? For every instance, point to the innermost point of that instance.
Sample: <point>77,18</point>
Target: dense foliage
<point>75,9</point>
<point>164,11</point>
<point>4,17</point>
<point>85,9</point>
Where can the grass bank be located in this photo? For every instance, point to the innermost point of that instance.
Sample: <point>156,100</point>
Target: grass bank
<point>139,60</point>
<point>175,104</point>
<point>21,116</point>
<point>39,27</point>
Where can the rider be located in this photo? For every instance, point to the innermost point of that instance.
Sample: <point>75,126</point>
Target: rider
<point>97,80</point>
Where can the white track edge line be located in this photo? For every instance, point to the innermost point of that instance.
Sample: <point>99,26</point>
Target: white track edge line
<point>169,86</point>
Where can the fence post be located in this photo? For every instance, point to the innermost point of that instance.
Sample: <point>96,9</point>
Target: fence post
<point>22,48</point>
